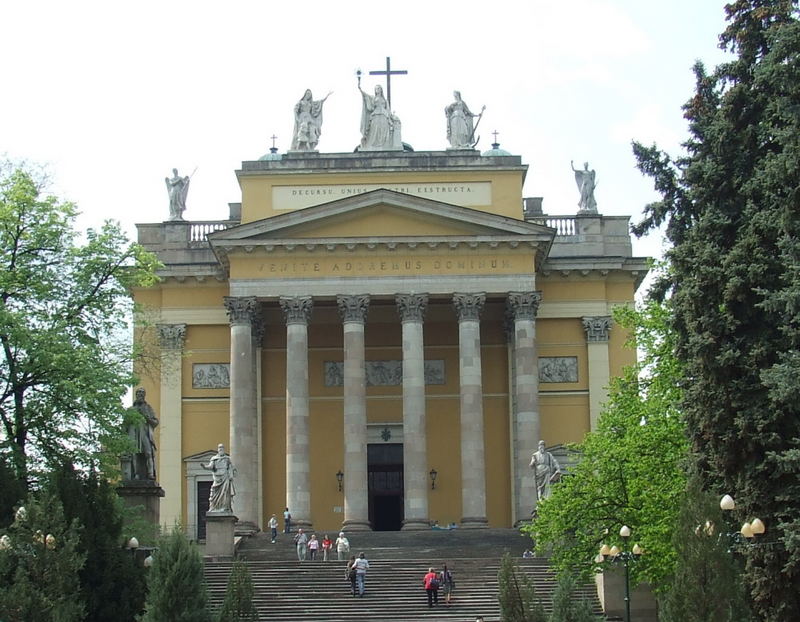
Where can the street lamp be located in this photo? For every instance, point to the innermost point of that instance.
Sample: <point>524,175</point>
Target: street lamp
<point>339,478</point>
<point>749,530</point>
<point>616,555</point>
<point>433,475</point>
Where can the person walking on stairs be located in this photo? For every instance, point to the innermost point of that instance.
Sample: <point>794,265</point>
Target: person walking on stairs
<point>342,546</point>
<point>301,541</point>
<point>447,583</point>
<point>313,547</point>
<point>350,573</point>
<point>326,547</point>
<point>362,565</point>
<point>431,583</point>
<point>273,528</point>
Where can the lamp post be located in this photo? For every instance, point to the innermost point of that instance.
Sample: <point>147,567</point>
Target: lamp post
<point>433,475</point>
<point>339,478</point>
<point>625,556</point>
<point>749,530</point>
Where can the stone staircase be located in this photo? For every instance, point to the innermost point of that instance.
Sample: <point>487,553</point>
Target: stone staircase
<point>289,590</point>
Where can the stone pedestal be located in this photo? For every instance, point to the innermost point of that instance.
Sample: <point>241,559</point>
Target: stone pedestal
<point>145,496</point>
<point>220,527</point>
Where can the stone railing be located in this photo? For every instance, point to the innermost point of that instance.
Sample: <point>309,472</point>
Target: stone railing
<point>199,229</point>
<point>564,225</point>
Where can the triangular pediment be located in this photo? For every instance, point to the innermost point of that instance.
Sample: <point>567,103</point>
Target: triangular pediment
<point>379,213</point>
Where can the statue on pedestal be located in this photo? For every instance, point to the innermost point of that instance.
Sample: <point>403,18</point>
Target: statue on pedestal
<point>141,465</point>
<point>460,131</point>
<point>307,122</point>
<point>380,129</point>
<point>546,471</point>
<point>222,488</point>
<point>177,188</point>
<point>585,180</point>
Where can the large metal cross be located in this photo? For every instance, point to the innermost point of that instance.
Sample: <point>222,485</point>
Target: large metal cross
<point>389,73</point>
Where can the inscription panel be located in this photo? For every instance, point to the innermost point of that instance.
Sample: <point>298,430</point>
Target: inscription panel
<point>465,194</point>
<point>384,373</point>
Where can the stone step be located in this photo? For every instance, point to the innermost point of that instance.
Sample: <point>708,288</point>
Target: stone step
<point>296,591</point>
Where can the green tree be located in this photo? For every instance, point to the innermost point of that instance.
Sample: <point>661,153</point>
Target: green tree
<point>238,604</point>
<point>706,549</point>
<point>65,358</point>
<point>516,594</point>
<point>730,208</point>
<point>112,583</point>
<point>567,606</point>
<point>631,468</point>
<point>176,587</point>
<point>39,565</point>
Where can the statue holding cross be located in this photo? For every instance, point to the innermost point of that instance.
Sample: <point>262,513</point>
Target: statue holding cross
<point>380,127</point>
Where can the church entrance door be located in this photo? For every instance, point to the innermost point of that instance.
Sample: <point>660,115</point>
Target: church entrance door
<point>385,469</point>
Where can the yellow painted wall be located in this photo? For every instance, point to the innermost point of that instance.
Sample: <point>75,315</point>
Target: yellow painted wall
<point>257,188</point>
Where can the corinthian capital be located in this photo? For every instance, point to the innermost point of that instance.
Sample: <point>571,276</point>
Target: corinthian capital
<point>597,328</point>
<point>353,308</point>
<point>469,306</point>
<point>241,309</point>
<point>171,336</point>
<point>524,305</point>
<point>297,309</point>
<point>411,307</point>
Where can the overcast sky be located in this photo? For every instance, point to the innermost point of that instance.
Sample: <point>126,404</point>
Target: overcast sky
<point>111,96</point>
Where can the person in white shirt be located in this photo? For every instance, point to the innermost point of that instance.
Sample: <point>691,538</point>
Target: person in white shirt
<point>273,528</point>
<point>362,565</point>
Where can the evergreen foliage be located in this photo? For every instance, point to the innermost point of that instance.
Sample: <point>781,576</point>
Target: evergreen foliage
<point>112,582</point>
<point>39,565</point>
<point>631,466</point>
<point>731,207</point>
<point>704,544</point>
<point>12,493</point>
<point>567,607</point>
<point>516,594</point>
<point>238,604</point>
<point>64,362</point>
<point>176,587</point>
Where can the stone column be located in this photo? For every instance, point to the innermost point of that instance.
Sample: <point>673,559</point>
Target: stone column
<point>353,310</point>
<point>473,459</point>
<point>526,423</point>
<point>298,478</point>
<point>597,329</point>
<point>415,456</point>
<point>243,410</point>
<point>170,451</point>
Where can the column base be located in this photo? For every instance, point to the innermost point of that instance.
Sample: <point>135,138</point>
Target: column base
<point>416,524</point>
<point>220,528</point>
<point>357,525</point>
<point>474,522</point>
<point>246,528</point>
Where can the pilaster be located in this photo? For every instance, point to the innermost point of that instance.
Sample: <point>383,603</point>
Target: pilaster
<point>597,332</point>
<point>170,469</point>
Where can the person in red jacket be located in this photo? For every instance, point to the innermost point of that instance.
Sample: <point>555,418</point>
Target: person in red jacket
<point>431,583</point>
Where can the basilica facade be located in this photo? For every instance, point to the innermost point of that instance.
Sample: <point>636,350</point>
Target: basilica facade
<point>380,339</point>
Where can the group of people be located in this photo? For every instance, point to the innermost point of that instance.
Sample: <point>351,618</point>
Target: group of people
<point>310,547</point>
<point>434,581</point>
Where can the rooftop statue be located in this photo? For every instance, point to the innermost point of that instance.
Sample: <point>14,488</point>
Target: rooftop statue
<point>585,179</point>
<point>177,188</point>
<point>307,122</point>
<point>380,129</point>
<point>460,130</point>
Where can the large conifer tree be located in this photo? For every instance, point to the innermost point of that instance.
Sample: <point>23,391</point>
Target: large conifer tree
<point>731,206</point>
